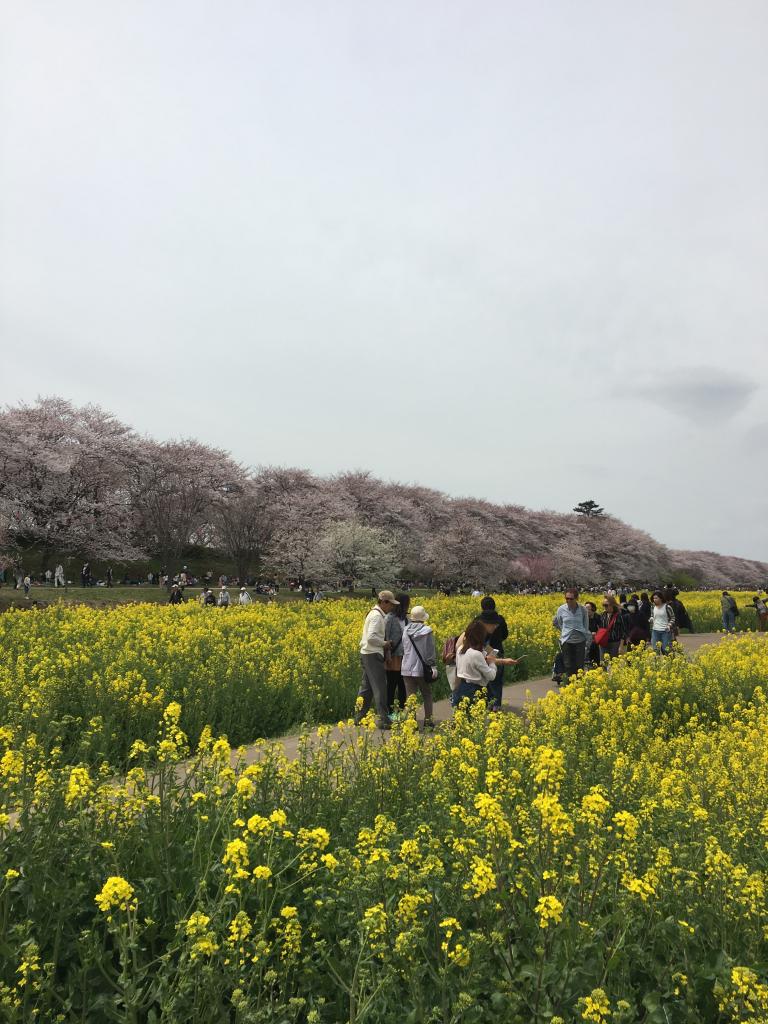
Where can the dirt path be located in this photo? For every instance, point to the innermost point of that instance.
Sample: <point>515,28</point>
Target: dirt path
<point>516,696</point>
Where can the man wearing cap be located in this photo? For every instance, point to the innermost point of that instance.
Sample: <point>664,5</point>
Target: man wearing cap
<point>373,688</point>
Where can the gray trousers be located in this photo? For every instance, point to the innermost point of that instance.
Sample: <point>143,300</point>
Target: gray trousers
<point>373,687</point>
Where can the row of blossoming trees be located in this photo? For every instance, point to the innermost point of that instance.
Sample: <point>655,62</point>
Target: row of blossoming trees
<point>76,481</point>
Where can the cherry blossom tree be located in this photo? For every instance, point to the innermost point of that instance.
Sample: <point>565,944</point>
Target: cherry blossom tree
<point>175,491</point>
<point>350,550</point>
<point>244,521</point>
<point>76,480</point>
<point>65,474</point>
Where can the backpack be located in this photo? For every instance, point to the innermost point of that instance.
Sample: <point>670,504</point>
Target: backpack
<point>448,653</point>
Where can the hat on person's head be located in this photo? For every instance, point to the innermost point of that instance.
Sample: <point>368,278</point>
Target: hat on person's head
<point>418,614</point>
<point>243,588</point>
<point>388,596</point>
<point>491,618</point>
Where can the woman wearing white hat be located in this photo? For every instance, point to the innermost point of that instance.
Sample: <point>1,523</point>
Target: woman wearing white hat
<point>419,660</point>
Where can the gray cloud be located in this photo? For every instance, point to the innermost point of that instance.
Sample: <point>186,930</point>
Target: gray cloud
<point>704,395</point>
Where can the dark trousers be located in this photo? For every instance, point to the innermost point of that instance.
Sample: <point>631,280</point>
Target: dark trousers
<point>573,659</point>
<point>495,687</point>
<point>395,689</point>
<point>465,691</point>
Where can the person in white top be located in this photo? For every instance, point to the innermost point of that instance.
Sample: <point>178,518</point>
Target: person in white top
<point>373,644</point>
<point>245,597</point>
<point>474,668</point>
<point>662,623</point>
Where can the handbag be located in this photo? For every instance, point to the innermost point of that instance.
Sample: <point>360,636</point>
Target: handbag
<point>603,635</point>
<point>426,669</point>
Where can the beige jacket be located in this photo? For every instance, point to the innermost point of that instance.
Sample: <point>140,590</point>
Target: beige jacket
<point>372,640</point>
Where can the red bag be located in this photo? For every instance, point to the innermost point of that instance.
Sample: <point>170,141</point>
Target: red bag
<point>603,635</point>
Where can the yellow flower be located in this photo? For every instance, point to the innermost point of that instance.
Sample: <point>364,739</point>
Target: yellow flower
<point>482,879</point>
<point>595,1007</point>
<point>116,894</point>
<point>550,911</point>
<point>79,786</point>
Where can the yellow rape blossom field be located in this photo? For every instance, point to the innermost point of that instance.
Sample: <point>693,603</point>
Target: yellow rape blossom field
<point>602,859</point>
<point>92,682</point>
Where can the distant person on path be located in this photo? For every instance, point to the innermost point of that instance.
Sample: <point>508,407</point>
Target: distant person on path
<point>682,618</point>
<point>394,625</point>
<point>419,667</point>
<point>638,626</point>
<point>729,610</point>
<point>662,623</point>
<point>27,585</point>
<point>176,596</point>
<point>223,601</point>
<point>245,597</point>
<point>614,621</point>
<point>762,613</point>
<point>474,668</point>
<point>500,632</point>
<point>109,576</point>
<point>593,653</point>
<point>572,622</point>
<point>48,577</point>
<point>58,576</point>
<point>373,645</point>
<point>85,574</point>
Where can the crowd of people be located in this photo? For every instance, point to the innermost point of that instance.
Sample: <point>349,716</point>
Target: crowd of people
<point>398,655</point>
<point>399,658</point>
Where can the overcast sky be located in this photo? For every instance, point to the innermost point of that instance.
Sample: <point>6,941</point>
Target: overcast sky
<point>517,250</point>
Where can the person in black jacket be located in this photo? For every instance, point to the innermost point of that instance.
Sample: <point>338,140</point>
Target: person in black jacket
<point>638,625</point>
<point>614,618</point>
<point>682,618</point>
<point>593,654</point>
<point>490,616</point>
<point>176,596</point>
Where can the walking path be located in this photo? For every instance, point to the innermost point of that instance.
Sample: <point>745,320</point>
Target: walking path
<point>516,696</point>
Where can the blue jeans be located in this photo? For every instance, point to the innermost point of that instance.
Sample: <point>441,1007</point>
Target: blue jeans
<point>729,622</point>
<point>495,688</point>
<point>465,689</point>
<point>663,637</point>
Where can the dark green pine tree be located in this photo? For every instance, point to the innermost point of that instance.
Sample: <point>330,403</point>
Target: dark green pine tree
<point>590,509</point>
